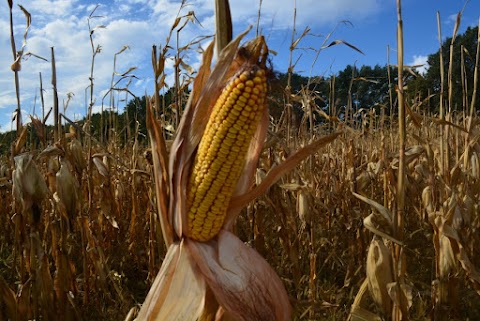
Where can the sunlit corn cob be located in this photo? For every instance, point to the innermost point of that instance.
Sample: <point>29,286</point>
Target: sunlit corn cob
<point>222,151</point>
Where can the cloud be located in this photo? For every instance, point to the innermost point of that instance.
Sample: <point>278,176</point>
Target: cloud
<point>421,62</point>
<point>52,7</point>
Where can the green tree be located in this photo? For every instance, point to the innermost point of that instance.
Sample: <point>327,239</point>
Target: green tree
<point>431,83</point>
<point>135,112</point>
<point>366,87</point>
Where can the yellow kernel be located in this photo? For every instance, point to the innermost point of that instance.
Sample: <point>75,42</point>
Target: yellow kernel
<point>238,107</point>
<point>257,80</point>
<point>230,101</point>
<point>246,113</point>
<point>244,77</point>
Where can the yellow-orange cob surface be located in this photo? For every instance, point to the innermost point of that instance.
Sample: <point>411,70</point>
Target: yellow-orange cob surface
<point>222,152</point>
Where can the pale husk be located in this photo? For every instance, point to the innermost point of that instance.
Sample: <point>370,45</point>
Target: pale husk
<point>178,291</point>
<point>380,274</point>
<point>243,282</point>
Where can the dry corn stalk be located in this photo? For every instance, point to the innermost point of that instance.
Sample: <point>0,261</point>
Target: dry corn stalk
<point>196,223</point>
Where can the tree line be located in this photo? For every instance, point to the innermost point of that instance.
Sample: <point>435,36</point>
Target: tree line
<point>352,88</point>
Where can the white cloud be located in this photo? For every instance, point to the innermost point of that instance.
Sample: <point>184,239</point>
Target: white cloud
<point>421,62</point>
<point>52,7</point>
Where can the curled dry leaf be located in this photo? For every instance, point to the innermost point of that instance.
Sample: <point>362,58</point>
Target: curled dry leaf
<point>385,212</point>
<point>379,226</point>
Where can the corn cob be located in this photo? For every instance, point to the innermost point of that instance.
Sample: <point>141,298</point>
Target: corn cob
<point>222,152</point>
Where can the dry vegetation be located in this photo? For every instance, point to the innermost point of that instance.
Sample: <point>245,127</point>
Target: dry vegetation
<point>81,238</point>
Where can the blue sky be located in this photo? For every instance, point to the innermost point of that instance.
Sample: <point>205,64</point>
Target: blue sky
<point>142,23</point>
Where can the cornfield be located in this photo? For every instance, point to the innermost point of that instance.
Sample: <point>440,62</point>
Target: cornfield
<point>377,220</point>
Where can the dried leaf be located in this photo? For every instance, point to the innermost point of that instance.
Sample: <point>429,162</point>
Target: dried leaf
<point>385,212</point>
<point>305,32</point>
<point>190,70</point>
<point>401,295</point>
<point>360,314</point>
<point>162,178</point>
<point>379,227</point>
<point>337,42</point>
<point>459,251</point>
<point>276,173</point>
<point>21,140</point>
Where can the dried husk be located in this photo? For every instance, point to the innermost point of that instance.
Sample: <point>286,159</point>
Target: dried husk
<point>75,148</point>
<point>303,207</point>
<point>29,186</point>
<point>379,275</point>
<point>177,292</point>
<point>67,189</point>
<point>427,200</point>
<point>244,284</point>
